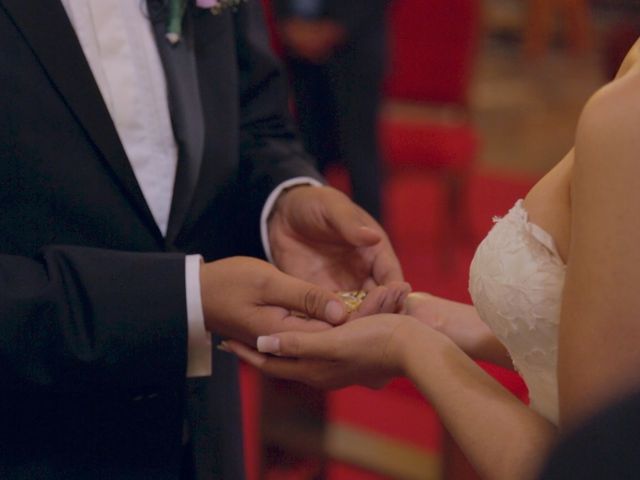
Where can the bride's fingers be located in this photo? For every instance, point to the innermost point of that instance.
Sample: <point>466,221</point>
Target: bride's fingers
<point>398,292</point>
<point>422,306</point>
<point>249,355</point>
<point>301,370</point>
<point>321,345</point>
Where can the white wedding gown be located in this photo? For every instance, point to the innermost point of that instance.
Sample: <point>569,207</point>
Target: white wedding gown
<point>516,280</point>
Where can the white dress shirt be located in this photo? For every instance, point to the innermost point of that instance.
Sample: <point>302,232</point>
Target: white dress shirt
<point>117,40</point>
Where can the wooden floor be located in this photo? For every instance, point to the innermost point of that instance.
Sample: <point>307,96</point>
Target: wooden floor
<point>526,109</point>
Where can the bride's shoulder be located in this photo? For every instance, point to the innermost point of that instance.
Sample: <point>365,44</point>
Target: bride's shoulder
<point>618,100</point>
<point>609,125</point>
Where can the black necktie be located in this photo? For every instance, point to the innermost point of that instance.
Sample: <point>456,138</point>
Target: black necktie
<point>185,107</point>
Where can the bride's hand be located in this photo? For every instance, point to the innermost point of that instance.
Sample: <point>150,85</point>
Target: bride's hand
<point>457,321</point>
<point>461,323</point>
<point>366,351</point>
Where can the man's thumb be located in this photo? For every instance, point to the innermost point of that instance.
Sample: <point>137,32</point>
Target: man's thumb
<point>304,297</point>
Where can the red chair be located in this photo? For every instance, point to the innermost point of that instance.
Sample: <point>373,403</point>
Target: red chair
<point>274,38</point>
<point>425,125</point>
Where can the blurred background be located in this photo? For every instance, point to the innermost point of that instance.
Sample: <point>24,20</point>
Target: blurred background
<point>435,115</point>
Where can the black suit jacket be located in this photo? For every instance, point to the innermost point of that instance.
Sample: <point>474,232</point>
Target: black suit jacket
<point>92,302</point>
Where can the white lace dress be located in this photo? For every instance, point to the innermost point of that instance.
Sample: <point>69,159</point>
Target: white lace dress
<point>516,281</point>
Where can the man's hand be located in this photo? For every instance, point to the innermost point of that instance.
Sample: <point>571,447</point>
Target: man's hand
<point>243,298</point>
<point>319,235</point>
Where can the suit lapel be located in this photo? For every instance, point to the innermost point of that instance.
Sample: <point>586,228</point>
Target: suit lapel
<point>61,55</point>
<point>187,118</point>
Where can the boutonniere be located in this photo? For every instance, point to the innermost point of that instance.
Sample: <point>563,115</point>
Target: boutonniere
<point>178,7</point>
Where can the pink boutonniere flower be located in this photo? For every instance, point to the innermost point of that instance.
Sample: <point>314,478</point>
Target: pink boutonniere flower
<point>178,7</point>
<point>207,3</point>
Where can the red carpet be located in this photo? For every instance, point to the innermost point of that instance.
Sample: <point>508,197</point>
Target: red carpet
<point>414,214</point>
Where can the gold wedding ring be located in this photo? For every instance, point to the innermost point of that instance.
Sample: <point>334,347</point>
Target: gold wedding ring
<point>353,299</point>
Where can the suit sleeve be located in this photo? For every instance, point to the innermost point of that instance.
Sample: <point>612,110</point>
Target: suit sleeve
<point>81,319</point>
<point>270,149</point>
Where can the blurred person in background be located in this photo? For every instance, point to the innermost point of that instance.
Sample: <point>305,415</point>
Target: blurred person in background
<point>335,51</point>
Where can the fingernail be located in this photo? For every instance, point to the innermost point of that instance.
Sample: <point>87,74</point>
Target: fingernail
<point>334,311</point>
<point>369,235</point>
<point>268,344</point>
<point>224,347</point>
<point>370,230</point>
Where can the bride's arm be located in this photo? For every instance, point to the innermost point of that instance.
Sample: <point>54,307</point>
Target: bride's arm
<point>461,323</point>
<point>501,436</point>
<point>599,335</point>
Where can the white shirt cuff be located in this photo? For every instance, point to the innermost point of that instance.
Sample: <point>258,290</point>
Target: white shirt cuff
<point>268,206</point>
<point>199,350</point>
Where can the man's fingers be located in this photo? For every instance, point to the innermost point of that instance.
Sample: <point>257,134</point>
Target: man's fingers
<point>375,302</point>
<point>355,229</point>
<point>350,221</point>
<point>306,298</point>
<point>386,267</point>
<point>383,299</point>
<point>400,291</point>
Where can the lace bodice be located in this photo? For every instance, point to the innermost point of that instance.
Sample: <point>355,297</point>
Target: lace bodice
<point>516,281</point>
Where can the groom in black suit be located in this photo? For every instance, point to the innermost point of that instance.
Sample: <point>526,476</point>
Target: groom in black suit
<point>96,301</point>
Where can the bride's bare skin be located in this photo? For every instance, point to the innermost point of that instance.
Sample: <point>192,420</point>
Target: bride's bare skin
<point>548,203</point>
<point>459,322</point>
<point>599,358</point>
<point>589,204</point>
